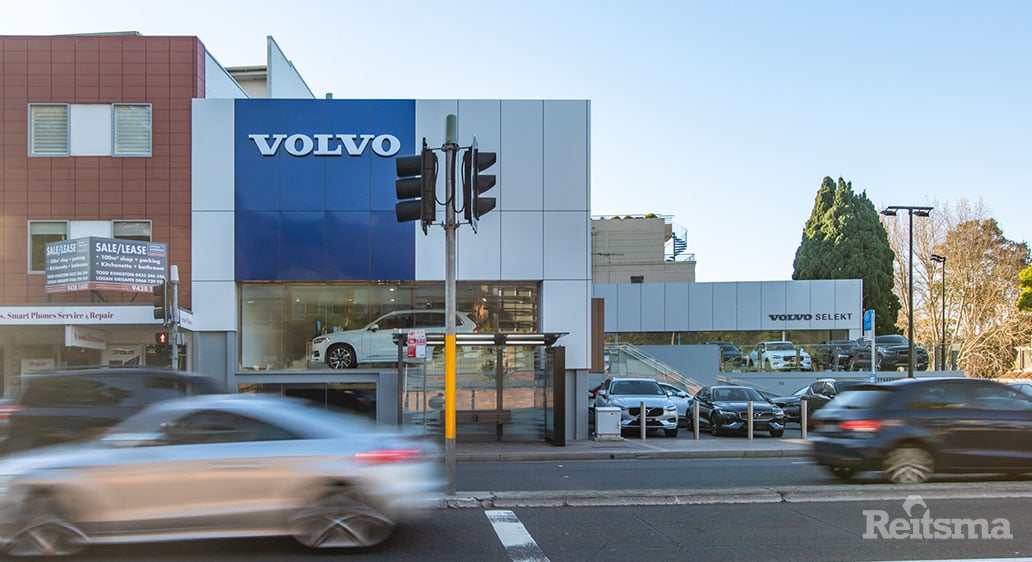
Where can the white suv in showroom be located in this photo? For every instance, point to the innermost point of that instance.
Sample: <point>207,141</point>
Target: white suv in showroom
<point>375,342</point>
<point>778,356</point>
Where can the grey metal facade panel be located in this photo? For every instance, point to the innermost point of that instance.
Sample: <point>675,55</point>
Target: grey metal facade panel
<point>725,306</point>
<point>628,308</point>
<point>653,305</point>
<point>678,306</point>
<point>700,304</point>
<point>608,295</point>
<point>750,306</point>
<point>733,306</point>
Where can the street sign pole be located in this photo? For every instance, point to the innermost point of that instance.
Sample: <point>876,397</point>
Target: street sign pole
<point>174,315</point>
<point>451,149</point>
<point>869,325</point>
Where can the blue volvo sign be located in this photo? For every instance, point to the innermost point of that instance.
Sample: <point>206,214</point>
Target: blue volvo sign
<point>315,190</point>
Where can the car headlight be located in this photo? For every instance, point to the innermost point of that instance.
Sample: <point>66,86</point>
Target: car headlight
<point>320,339</point>
<point>670,407</point>
<point>724,413</point>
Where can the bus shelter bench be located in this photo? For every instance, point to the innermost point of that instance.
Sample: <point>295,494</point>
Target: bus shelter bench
<point>496,417</point>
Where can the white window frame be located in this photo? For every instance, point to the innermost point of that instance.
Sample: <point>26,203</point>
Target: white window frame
<point>33,150</point>
<point>127,128</point>
<point>28,258</point>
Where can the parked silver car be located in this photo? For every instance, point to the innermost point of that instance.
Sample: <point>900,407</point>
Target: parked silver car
<point>217,466</point>
<point>628,395</point>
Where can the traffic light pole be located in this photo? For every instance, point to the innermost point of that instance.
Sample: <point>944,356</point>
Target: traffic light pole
<point>451,149</point>
<point>174,315</point>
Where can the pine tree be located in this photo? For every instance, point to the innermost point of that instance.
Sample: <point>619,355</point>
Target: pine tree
<point>844,239</point>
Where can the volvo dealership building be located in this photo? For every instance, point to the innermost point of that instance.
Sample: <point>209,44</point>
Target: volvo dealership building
<point>278,209</point>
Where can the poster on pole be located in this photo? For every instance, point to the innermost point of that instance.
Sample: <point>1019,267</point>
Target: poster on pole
<point>416,348</point>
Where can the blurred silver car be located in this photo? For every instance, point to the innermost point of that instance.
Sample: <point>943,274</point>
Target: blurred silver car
<point>218,466</point>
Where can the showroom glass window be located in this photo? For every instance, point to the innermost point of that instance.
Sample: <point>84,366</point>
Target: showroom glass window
<point>279,321</point>
<point>48,129</point>
<point>132,128</point>
<point>42,233</point>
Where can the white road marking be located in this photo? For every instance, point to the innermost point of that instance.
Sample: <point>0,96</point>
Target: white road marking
<point>514,536</point>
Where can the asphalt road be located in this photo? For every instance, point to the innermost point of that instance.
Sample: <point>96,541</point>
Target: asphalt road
<point>714,533</point>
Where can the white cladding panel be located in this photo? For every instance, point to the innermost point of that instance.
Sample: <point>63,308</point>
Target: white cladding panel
<point>565,307</point>
<point>215,306</point>
<point>773,300</point>
<point>213,178</point>
<point>217,261</point>
<point>217,82</point>
<point>523,234</point>
<point>283,80</point>
<point>566,156</point>
<point>524,184</point>
<point>567,240</point>
<point>89,130</point>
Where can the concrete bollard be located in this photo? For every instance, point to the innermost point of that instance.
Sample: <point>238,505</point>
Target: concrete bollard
<point>750,422</point>
<point>641,418</point>
<point>695,418</point>
<point>804,413</point>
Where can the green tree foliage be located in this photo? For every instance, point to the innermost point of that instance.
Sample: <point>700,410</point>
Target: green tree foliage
<point>844,239</point>
<point>1025,284</point>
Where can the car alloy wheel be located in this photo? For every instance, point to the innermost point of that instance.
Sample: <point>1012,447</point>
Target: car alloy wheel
<point>714,427</point>
<point>42,531</point>
<point>341,356</point>
<point>777,432</point>
<point>341,519</point>
<point>843,472</point>
<point>909,465</point>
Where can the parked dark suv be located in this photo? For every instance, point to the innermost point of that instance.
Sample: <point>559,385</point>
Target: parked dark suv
<point>73,405</point>
<point>912,428</point>
<point>893,353</point>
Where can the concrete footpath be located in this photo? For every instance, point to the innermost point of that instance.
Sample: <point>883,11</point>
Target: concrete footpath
<point>683,447</point>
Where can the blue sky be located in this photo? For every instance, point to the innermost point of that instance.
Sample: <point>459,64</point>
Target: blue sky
<point>724,115</point>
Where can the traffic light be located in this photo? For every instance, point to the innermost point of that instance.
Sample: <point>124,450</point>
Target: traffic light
<point>474,184</point>
<point>161,338</point>
<point>416,187</point>
<point>161,311</point>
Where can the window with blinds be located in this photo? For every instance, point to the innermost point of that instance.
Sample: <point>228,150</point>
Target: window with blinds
<point>132,130</point>
<point>48,129</point>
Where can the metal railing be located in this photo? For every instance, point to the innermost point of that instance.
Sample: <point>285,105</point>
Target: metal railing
<point>627,360</point>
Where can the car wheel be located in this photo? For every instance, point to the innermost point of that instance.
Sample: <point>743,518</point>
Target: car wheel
<point>671,432</point>
<point>714,427</point>
<point>42,530</point>
<point>341,356</point>
<point>777,432</point>
<point>907,465</point>
<point>843,472</point>
<point>341,519</point>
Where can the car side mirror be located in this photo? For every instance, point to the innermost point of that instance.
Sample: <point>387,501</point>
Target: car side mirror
<point>682,395</point>
<point>374,327</point>
<point>602,393</point>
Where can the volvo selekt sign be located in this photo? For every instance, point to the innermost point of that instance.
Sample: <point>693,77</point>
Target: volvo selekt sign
<point>339,144</point>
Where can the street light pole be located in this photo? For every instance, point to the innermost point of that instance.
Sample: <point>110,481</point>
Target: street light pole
<point>942,346</point>
<point>891,211</point>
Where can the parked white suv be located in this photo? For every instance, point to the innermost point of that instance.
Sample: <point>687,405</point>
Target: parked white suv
<point>779,356</point>
<point>375,342</point>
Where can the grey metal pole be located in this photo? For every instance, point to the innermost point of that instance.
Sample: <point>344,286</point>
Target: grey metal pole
<point>174,315</point>
<point>910,303</point>
<point>750,422</point>
<point>695,418</point>
<point>450,148</point>
<point>641,418</point>
<point>804,414</point>
<point>943,353</point>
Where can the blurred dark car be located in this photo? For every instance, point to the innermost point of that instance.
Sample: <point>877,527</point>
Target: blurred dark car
<point>1025,387</point>
<point>912,428</point>
<point>833,354</point>
<point>223,465</point>
<point>893,352</point>
<point>725,409</point>
<point>729,352</point>
<point>817,395</point>
<point>73,405</point>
